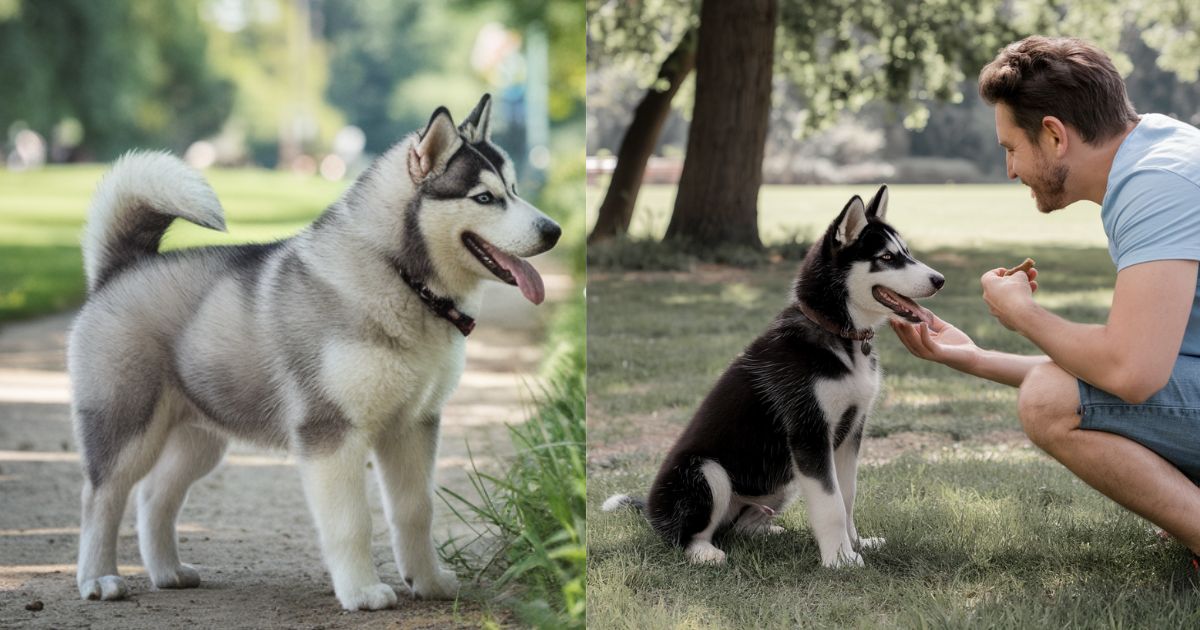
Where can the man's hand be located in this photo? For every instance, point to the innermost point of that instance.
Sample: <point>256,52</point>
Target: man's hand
<point>938,341</point>
<point>1009,297</point>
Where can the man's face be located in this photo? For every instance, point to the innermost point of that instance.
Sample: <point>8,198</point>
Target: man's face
<point>1034,163</point>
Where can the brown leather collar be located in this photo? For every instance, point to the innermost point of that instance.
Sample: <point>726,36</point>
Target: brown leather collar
<point>441,306</point>
<point>832,328</point>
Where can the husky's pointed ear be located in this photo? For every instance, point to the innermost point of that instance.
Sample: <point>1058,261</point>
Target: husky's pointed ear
<point>877,209</point>
<point>850,222</point>
<point>478,126</point>
<point>434,147</point>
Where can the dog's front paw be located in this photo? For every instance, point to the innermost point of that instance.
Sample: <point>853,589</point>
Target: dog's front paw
<point>105,587</point>
<point>871,543</point>
<point>703,552</point>
<point>373,597</point>
<point>442,585</point>
<point>182,576</point>
<point>846,558</point>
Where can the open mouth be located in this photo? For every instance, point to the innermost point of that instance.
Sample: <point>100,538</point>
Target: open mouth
<point>902,306</point>
<point>508,268</point>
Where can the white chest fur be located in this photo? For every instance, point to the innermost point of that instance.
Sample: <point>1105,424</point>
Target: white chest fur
<point>374,384</point>
<point>856,389</point>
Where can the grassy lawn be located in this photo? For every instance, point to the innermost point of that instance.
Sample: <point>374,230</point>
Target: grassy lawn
<point>42,214</point>
<point>983,530</point>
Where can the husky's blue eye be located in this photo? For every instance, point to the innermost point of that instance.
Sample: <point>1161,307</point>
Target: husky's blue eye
<point>483,198</point>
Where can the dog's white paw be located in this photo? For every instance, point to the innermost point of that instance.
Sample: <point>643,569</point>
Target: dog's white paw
<point>871,543</point>
<point>703,552</point>
<point>846,558</point>
<point>105,587</point>
<point>773,530</point>
<point>373,597</point>
<point>182,576</point>
<point>443,585</point>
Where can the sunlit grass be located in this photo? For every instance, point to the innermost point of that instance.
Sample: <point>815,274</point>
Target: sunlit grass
<point>42,215</point>
<point>930,216</point>
<point>983,530</point>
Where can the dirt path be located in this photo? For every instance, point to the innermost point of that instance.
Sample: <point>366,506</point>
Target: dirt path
<point>245,526</point>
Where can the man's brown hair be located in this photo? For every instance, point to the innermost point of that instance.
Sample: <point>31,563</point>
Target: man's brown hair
<point>1063,77</point>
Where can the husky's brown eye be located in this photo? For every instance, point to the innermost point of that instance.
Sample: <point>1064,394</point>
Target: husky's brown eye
<point>886,258</point>
<point>483,198</point>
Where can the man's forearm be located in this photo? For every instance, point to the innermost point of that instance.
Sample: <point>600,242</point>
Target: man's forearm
<point>1080,349</point>
<point>1003,367</point>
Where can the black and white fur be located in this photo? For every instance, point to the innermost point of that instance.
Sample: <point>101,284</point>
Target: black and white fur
<point>786,418</point>
<point>313,344</point>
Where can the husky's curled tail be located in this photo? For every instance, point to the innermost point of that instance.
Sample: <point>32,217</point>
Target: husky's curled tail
<point>618,501</point>
<point>133,206</point>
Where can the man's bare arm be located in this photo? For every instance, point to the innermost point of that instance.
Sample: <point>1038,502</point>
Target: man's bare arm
<point>1132,355</point>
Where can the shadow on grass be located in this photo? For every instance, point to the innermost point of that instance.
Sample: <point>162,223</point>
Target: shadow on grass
<point>969,543</point>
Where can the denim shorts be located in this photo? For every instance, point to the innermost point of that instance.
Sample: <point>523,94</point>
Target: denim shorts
<point>1168,423</point>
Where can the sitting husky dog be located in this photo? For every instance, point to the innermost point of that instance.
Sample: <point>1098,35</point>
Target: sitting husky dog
<point>787,416</point>
<point>341,343</point>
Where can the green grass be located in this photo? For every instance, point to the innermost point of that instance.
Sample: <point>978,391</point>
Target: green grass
<point>42,214</point>
<point>529,522</point>
<point>982,529</point>
<point>952,215</point>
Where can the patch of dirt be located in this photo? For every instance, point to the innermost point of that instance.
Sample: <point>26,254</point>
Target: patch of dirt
<point>246,526</point>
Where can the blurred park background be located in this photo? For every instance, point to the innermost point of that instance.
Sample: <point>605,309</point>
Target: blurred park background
<point>287,100</point>
<point>837,92</point>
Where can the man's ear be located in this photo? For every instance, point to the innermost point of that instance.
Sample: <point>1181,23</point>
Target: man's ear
<point>478,126</point>
<point>879,203</point>
<point>850,222</point>
<point>1057,134</point>
<point>434,147</point>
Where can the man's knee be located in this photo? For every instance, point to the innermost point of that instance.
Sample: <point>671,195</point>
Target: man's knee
<point>1047,404</point>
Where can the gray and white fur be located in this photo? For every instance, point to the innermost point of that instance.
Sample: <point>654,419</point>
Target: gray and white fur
<point>313,344</point>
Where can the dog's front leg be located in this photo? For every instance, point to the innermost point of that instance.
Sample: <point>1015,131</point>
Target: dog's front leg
<point>335,485</point>
<point>404,457</point>
<point>826,507</point>
<point>846,463</point>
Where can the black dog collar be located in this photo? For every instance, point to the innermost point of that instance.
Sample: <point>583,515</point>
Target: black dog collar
<point>441,306</point>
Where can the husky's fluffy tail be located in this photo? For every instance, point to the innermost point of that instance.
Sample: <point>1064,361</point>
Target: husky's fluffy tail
<point>618,501</point>
<point>134,204</point>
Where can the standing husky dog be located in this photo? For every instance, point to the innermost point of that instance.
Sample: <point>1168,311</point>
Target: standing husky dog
<point>341,343</point>
<point>786,418</point>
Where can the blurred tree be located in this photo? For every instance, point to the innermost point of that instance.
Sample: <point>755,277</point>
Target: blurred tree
<point>153,89</point>
<point>639,140</point>
<point>717,200</point>
<point>374,48</point>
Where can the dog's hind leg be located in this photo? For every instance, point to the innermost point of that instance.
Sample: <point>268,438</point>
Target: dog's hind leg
<point>404,459</point>
<point>335,485</point>
<point>190,453</point>
<point>845,459</point>
<point>700,549</point>
<point>112,463</point>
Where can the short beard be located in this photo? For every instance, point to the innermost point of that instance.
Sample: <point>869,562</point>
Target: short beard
<point>1050,193</point>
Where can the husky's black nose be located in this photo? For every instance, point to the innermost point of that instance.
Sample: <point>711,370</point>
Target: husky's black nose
<point>937,280</point>
<point>550,232</point>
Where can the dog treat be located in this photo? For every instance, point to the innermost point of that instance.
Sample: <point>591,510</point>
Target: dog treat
<point>1025,266</point>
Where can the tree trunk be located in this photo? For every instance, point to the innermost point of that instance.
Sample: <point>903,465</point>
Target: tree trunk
<point>639,140</point>
<point>717,200</point>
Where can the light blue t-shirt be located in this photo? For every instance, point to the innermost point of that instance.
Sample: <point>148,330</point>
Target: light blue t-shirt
<point>1151,207</point>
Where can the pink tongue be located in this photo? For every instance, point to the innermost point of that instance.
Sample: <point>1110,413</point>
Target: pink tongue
<point>528,280</point>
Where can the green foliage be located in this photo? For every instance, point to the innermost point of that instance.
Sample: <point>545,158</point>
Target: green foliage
<point>73,60</point>
<point>532,518</point>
